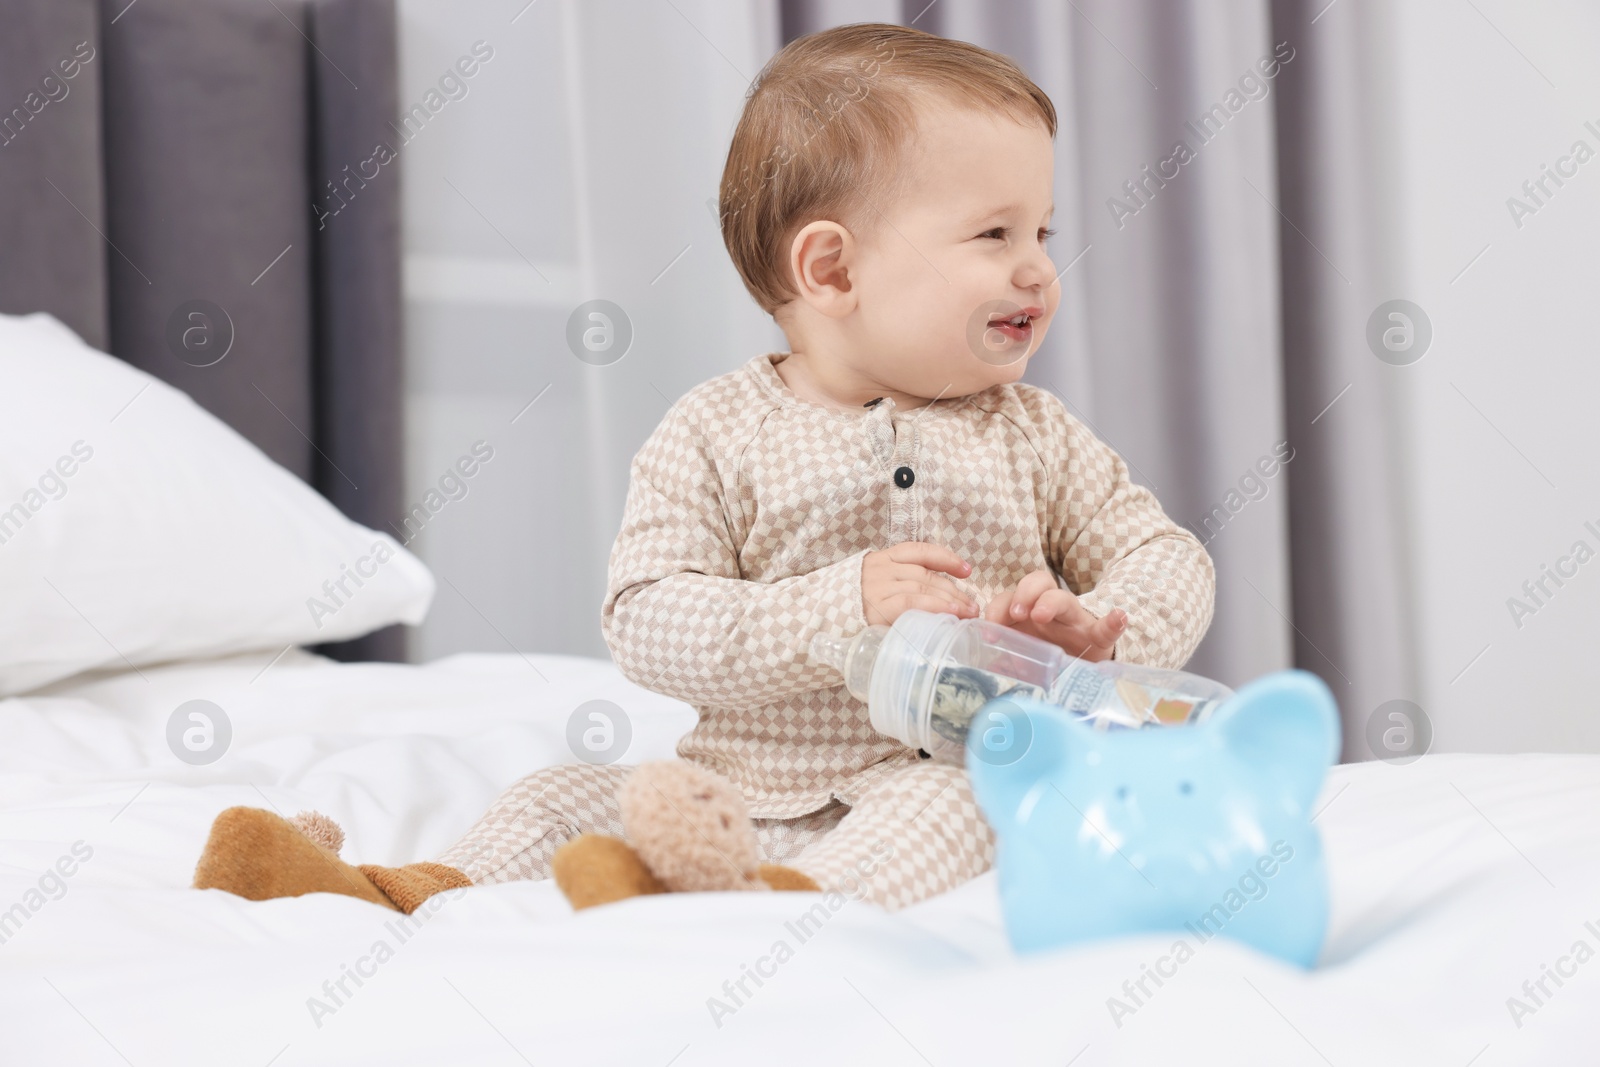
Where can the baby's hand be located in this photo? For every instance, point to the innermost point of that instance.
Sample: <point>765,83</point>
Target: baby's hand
<point>1038,606</point>
<point>908,575</point>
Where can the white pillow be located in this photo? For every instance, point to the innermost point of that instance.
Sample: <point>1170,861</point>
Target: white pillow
<point>136,527</point>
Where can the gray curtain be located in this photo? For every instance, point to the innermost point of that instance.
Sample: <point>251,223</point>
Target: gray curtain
<point>1354,620</point>
<point>1197,310</point>
<point>177,204</point>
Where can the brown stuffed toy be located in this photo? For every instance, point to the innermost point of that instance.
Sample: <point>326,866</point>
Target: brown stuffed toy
<point>688,831</point>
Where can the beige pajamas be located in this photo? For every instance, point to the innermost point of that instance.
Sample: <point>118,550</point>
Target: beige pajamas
<point>749,512</point>
<point>912,836</point>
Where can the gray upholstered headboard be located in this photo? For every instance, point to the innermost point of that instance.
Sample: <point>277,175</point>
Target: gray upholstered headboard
<point>177,176</point>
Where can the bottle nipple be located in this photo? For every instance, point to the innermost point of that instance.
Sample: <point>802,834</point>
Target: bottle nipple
<point>832,650</point>
<point>852,657</point>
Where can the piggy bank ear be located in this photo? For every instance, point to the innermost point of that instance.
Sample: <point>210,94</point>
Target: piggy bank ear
<point>1286,724</point>
<point>1014,747</point>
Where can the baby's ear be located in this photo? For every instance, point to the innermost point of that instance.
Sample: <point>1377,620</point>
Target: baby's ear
<point>1286,726</point>
<point>1013,747</point>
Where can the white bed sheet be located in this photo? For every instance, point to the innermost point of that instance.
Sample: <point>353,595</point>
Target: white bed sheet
<point>1455,880</point>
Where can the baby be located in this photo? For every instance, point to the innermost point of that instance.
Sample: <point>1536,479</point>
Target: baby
<point>886,199</point>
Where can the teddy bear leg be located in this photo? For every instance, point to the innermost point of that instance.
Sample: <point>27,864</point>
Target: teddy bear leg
<point>787,878</point>
<point>407,887</point>
<point>596,869</point>
<point>258,855</point>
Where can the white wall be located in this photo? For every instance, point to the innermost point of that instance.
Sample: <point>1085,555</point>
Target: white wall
<point>547,185</point>
<point>1500,414</point>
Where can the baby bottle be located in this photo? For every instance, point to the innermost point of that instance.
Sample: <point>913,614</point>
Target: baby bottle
<point>926,677</point>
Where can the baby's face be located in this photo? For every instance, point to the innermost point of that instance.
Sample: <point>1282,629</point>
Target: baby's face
<point>963,245</point>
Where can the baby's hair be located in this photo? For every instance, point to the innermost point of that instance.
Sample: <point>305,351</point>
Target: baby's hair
<point>824,127</point>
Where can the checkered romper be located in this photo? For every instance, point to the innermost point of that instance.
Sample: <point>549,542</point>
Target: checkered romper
<point>749,512</point>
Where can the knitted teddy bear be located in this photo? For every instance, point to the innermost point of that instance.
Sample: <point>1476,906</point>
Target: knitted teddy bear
<point>687,831</point>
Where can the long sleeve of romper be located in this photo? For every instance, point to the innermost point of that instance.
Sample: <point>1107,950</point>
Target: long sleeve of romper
<point>680,619</point>
<point>1115,547</point>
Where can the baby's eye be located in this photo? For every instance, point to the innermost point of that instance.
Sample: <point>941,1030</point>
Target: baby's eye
<point>998,233</point>
<point>1045,235</point>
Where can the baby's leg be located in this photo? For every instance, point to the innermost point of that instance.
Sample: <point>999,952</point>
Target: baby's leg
<point>912,836</point>
<point>517,836</point>
<point>781,840</point>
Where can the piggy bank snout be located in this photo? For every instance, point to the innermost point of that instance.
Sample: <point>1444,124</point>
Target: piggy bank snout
<point>1181,828</point>
<point>1167,859</point>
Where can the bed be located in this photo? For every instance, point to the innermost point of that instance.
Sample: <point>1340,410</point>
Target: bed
<point>153,562</point>
<point>1455,879</point>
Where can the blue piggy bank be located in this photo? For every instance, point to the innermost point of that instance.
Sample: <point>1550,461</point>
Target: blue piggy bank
<point>1198,828</point>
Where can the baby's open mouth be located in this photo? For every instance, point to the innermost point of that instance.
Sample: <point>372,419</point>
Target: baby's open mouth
<point>1018,327</point>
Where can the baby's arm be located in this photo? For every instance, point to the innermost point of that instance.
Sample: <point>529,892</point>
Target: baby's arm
<point>678,616</point>
<point>1115,548</point>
